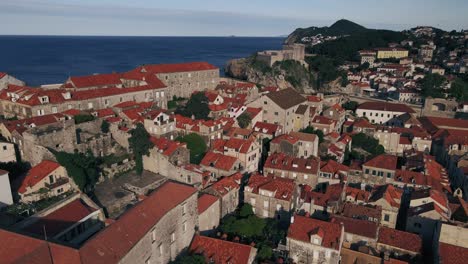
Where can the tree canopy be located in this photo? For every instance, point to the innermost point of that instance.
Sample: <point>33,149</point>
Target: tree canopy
<point>83,118</point>
<point>431,85</point>
<point>196,106</point>
<point>459,90</point>
<point>105,127</point>
<point>244,120</point>
<point>196,145</point>
<point>140,144</point>
<point>83,168</point>
<point>368,144</point>
<point>351,105</point>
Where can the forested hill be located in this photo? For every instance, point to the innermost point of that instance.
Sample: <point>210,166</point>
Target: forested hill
<point>350,38</point>
<point>339,28</point>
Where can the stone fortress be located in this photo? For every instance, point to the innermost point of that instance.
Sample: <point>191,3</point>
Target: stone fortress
<point>289,52</point>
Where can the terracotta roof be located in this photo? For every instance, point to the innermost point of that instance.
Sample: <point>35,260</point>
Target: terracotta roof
<point>17,248</point>
<point>357,227</point>
<point>267,128</point>
<point>286,98</point>
<point>410,177</point>
<point>23,124</point>
<point>452,254</point>
<point>302,227</point>
<point>205,201</point>
<point>37,174</point>
<point>358,195</point>
<point>362,211</point>
<point>285,137</point>
<point>179,67</point>
<point>333,167</point>
<point>323,120</point>
<point>384,106</point>
<point>387,192</point>
<point>166,146</point>
<point>313,98</point>
<point>304,136</point>
<point>2,74</point>
<point>72,112</point>
<point>363,123</point>
<point>332,194</point>
<point>383,161</point>
<point>282,161</point>
<point>61,219</point>
<point>301,109</point>
<point>400,239</point>
<point>112,243</point>
<point>220,251</point>
<point>282,188</point>
<point>107,112</point>
<point>219,161</point>
<point>252,111</point>
<point>226,184</point>
<point>96,80</point>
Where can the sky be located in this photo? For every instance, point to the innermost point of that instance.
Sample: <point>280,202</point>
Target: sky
<point>218,17</point>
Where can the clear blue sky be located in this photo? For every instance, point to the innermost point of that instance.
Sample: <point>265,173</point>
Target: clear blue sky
<point>219,17</point>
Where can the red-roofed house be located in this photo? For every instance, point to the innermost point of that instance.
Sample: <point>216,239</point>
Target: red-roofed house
<point>325,124</point>
<point>332,172</point>
<point>227,191</point>
<point>221,251</point>
<point>6,79</point>
<point>209,212</point>
<point>247,151</point>
<point>220,165</point>
<point>337,113</point>
<point>160,124</point>
<point>301,170</point>
<point>388,198</point>
<point>267,130</point>
<point>314,241</point>
<point>44,180</point>
<point>270,196</point>
<point>392,241</point>
<point>380,170</point>
<point>297,144</point>
<point>451,254</point>
<point>383,112</point>
<point>358,232</point>
<point>324,200</point>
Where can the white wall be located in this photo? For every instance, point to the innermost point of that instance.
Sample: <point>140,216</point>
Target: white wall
<point>5,190</point>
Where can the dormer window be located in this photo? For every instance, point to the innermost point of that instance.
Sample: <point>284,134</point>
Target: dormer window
<point>67,95</point>
<point>44,99</point>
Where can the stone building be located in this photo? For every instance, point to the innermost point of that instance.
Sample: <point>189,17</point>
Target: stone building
<point>160,124</point>
<point>396,242</point>
<point>227,190</point>
<point>296,144</point>
<point>47,179</point>
<point>383,112</point>
<point>314,241</point>
<point>7,152</point>
<point>247,151</point>
<point>380,170</point>
<point>290,52</point>
<point>301,170</point>
<point>6,79</point>
<point>280,108</point>
<point>387,53</point>
<point>337,113</point>
<point>222,251</point>
<point>357,232</point>
<point>183,79</point>
<point>6,197</point>
<point>220,165</point>
<point>388,198</point>
<point>209,213</point>
<point>271,197</point>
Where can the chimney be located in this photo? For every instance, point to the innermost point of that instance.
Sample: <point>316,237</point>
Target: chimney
<point>292,219</point>
<point>363,186</point>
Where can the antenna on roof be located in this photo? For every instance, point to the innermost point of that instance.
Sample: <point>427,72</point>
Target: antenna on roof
<point>45,232</point>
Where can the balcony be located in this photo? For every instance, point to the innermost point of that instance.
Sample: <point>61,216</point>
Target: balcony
<point>57,183</point>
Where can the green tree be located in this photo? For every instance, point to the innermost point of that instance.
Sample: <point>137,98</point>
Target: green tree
<point>192,259</point>
<point>351,105</point>
<point>105,127</point>
<point>265,252</point>
<point>244,120</point>
<point>83,118</point>
<point>311,130</point>
<point>83,168</point>
<point>368,144</point>
<point>140,144</point>
<point>431,85</point>
<point>459,90</point>
<point>196,145</point>
<point>196,106</point>
<point>246,211</point>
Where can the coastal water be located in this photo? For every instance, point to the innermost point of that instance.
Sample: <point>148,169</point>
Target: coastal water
<point>51,59</point>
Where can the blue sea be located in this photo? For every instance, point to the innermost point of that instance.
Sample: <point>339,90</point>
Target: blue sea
<point>52,59</point>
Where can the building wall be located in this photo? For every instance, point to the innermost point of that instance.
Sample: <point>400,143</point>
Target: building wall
<point>209,219</point>
<point>387,54</point>
<point>7,79</point>
<point>269,207</point>
<point>5,191</point>
<point>183,84</point>
<point>229,201</point>
<point>377,176</point>
<point>34,193</point>
<point>302,252</point>
<point>7,152</point>
<point>299,177</point>
<point>274,114</point>
<point>377,116</point>
<point>156,245</point>
<point>388,140</point>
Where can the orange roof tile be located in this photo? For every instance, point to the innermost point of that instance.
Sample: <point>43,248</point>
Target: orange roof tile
<point>37,174</point>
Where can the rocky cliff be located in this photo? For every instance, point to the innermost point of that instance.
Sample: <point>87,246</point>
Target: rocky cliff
<point>282,75</point>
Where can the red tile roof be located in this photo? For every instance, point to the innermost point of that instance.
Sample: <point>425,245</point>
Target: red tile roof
<point>400,239</point>
<point>37,174</point>
<point>116,240</point>
<point>267,128</point>
<point>179,67</point>
<point>384,161</point>
<point>333,167</point>
<point>389,193</point>
<point>282,188</point>
<point>332,194</point>
<point>61,219</point>
<point>166,146</point>
<point>205,201</point>
<point>2,74</point>
<point>285,137</point>
<point>323,120</point>
<point>452,254</point>
<point>358,195</point>
<point>384,106</point>
<point>226,184</point>
<point>107,112</point>
<point>221,251</point>
<point>110,79</point>
<point>281,161</point>
<point>357,227</point>
<point>313,98</point>
<point>23,124</point>
<point>17,248</point>
<point>72,112</point>
<point>219,161</point>
<point>304,226</point>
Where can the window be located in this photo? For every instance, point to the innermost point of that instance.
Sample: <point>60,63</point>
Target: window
<point>172,237</point>
<point>265,102</point>
<point>367,171</point>
<point>153,236</point>
<point>389,175</point>
<point>265,213</point>
<point>276,113</point>
<point>54,109</point>
<point>90,105</point>
<point>160,249</point>
<point>4,147</point>
<point>51,179</point>
<point>278,207</point>
<point>265,204</point>
<point>184,209</point>
<point>184,227</point>
<point>386,217</point>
